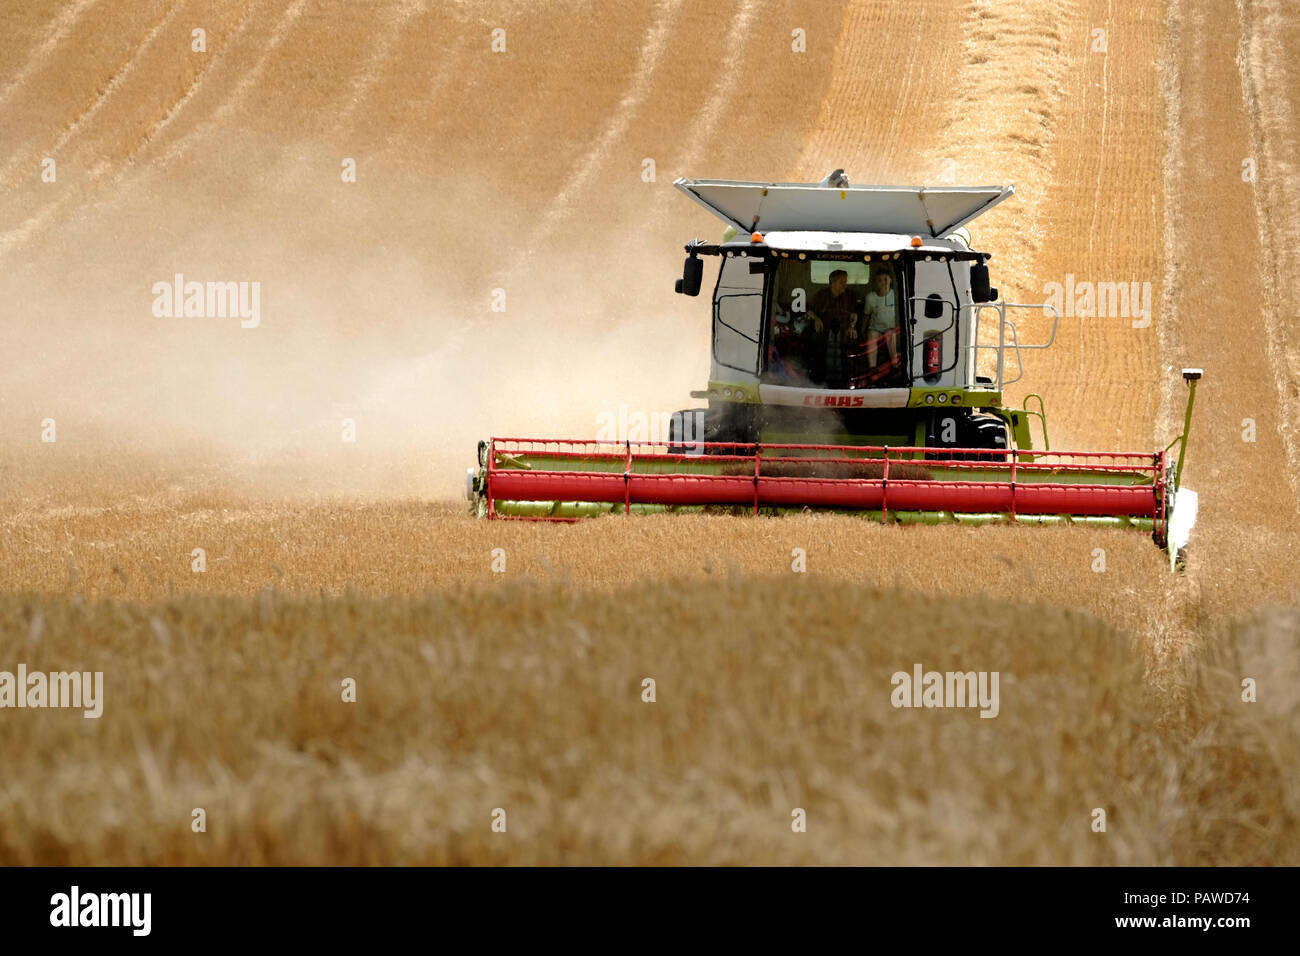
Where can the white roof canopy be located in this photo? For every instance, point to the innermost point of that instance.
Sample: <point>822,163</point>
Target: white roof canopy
<point>804,207</point>
<point>867,242</point>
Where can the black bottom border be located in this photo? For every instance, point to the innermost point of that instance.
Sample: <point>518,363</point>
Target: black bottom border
<point>921,905</point>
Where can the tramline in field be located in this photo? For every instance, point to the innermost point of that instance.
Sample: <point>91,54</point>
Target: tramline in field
<point>859,356</point>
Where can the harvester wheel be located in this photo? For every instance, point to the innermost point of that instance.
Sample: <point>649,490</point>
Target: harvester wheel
<point>963,429</point>
<point>729,422</point>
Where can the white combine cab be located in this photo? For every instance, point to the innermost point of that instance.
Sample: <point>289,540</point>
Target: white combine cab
<point>936,352</point>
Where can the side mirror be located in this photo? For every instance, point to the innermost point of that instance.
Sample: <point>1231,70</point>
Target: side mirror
<point>692,276</point>
<point>979,284</point>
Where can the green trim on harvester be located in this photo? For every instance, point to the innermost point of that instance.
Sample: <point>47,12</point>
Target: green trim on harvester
<point>1041,415</point>
<point>743,392</point>
<point>747,392</point>
<point>1017,420</point>
<point>1187,428</point>
<point>968,397</point>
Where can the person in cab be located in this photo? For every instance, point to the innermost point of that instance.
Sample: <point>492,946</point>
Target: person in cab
<point>832,328</point>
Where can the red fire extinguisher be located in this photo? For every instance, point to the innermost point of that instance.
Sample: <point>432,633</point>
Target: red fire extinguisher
<point>932,360</point>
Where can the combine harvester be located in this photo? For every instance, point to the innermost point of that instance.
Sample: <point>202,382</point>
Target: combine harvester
<point>859,360</point>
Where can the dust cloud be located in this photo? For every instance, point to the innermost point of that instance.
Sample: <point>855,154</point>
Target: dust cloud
<point>380,307</point>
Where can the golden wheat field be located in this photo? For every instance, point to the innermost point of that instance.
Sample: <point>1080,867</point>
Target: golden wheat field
<point>500,665</point>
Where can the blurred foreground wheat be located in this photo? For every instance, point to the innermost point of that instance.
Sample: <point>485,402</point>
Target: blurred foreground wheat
<point>522,690</point>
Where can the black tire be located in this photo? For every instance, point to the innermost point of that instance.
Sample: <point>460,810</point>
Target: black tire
<point>969,431</point>
<point>991,432</point>
<point>730,422</point>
